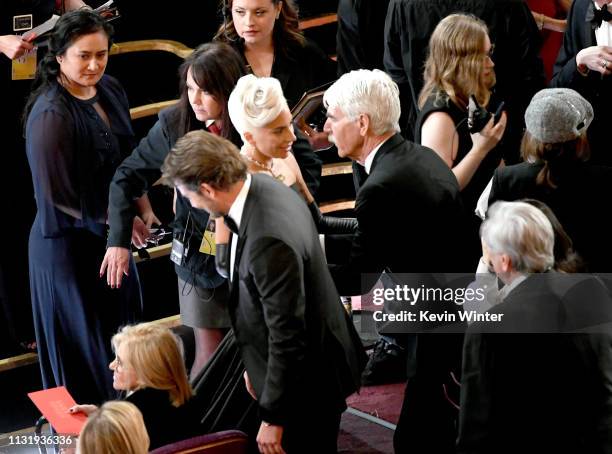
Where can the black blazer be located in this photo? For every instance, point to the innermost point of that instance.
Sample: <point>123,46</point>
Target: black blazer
<point>410,217</point>
<point>165,423</point>
<point>299,347</point>
<point>527,388</point>
<point>579,201</point>
<point>594,87</point>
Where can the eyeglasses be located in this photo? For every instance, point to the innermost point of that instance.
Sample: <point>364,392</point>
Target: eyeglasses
<point>156,235</point>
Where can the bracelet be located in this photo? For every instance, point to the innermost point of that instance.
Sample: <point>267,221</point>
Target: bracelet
<point>541,23</point>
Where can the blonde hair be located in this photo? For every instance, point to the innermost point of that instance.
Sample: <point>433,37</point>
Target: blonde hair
<point>116,426</point>
<point>155,355</point>
<point>455,61</point>
<point>255,102</point>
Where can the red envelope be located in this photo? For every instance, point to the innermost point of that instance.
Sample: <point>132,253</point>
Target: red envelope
<point>54,404</point>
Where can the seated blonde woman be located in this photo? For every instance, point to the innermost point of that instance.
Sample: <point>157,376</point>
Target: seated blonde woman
<point>260,114</point>
<point>116,427</point>
<point>149,368</point>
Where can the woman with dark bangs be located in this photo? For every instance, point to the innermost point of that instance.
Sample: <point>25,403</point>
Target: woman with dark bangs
<point>207,76</point>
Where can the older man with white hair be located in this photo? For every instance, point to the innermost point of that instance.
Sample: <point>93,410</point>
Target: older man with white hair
<point>410,220</point>
<point>542,385</point>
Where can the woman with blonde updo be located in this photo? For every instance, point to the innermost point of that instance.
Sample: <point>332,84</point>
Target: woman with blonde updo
<point>149,367</point>
<point>115,427</point>
<point>259,112</point>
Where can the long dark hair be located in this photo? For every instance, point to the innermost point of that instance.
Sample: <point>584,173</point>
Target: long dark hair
<point>215,67</point>
<point>286,34</point>
<point>68,28</point>
<point>567,259</point>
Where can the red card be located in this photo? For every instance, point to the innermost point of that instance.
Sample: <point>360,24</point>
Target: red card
<point>54,404</point>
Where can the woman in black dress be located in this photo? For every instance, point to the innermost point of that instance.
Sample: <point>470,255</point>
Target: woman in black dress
<point>77,132</point>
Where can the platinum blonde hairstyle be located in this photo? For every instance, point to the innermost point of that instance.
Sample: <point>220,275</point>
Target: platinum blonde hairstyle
<point>521,231</point>
<point>367,92</point>
<point>117,426</point>
<point>255,102</point>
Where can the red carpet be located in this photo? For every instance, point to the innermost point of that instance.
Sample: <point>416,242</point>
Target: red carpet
<point>359,436</point>
<point>384,401</point>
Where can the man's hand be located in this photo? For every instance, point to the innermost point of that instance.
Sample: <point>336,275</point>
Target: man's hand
<point>115,264</point>
<point>14,46</point>
<point>269,439</point>
<point>248,385</point>
<point>595,58</point>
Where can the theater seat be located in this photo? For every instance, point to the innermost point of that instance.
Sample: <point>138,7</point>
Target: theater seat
<point>224,442</point>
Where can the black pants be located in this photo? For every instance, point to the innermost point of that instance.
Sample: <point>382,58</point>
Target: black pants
<point>312,432</point>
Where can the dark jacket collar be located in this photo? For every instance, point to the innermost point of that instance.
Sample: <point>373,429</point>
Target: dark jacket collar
<point>390,144</point>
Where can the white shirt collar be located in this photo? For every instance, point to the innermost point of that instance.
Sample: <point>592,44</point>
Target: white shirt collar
<point>370,158</point>
<point>237,208</point>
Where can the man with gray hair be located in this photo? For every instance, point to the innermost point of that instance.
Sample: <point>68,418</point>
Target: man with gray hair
<point>542,385</point>
<point>410,220</point>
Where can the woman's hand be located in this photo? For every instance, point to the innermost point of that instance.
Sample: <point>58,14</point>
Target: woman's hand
<point>87,409</point>
<point>140,232</point>
<point>14,46</point>
<point>485,140</point>
<point>116,261</point>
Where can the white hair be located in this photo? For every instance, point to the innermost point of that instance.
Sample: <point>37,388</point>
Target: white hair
<point>255,102</point>
<point>367,92</point>
<point>521,231</point>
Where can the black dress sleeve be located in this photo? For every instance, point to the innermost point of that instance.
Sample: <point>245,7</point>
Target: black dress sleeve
<point>133,178</point>
<point>51,151</point>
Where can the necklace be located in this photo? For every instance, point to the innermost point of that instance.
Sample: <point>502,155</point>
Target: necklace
<point>279,177</point>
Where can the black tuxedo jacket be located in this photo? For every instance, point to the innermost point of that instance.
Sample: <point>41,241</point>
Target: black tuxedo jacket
<point>410,217</point>
<point>539,381</point>
<point>594,87</point>
<point>299,347</point>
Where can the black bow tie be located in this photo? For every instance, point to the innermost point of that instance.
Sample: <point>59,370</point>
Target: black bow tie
<point>597,16</point>
<point>231,224</point>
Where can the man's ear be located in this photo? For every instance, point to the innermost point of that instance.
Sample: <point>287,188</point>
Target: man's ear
<point>364,124</point>
<point>207,190</point>
<point>506,263</point>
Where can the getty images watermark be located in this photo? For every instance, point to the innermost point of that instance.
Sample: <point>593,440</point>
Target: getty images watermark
<point>536,303</point>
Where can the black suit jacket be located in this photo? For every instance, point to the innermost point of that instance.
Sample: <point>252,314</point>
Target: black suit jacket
<point>532,384</point>
<point>578,201</point>
<point>595,88</point>
<point>410,217</point>
<point>299,347</point>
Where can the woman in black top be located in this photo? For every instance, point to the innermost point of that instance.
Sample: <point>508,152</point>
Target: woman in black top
<point>208,76</point>
<point>149,368</point>
<point>459,65</point>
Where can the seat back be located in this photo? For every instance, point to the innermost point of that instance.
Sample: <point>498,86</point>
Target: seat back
<point>224,442</point>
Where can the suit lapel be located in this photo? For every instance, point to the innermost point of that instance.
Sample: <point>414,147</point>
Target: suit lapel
<point>587,30</point>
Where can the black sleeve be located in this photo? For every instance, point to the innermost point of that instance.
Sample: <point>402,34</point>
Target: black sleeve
<point>476,395</point>
<point>133,178</point>
<point>565,71</point>
<point>348,39</point>
<point>277,273</point>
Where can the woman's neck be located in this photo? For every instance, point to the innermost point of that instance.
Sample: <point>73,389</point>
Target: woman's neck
<point>78,91</point>
<point>258,157</point>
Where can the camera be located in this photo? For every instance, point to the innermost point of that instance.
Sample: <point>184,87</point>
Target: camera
<point>478,116</point>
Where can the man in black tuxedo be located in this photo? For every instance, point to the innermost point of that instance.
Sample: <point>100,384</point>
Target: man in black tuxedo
<point>585,64</point>
<point>410,220</point>
<point>302,354</point>
<point>536,376</point>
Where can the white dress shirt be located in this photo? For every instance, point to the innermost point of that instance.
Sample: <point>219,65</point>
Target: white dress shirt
<point>235,212</point>
<point>603,33</point>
